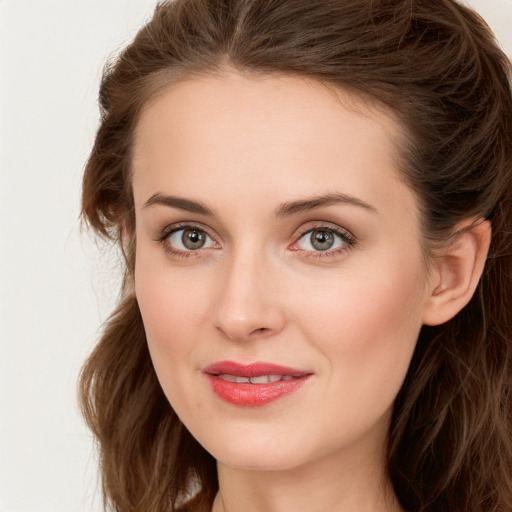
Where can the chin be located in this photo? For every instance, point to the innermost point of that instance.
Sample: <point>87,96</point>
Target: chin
<point>257,460</point>
<point>256,451</point>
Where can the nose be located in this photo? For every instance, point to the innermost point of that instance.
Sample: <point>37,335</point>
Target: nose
<point>249,303</point>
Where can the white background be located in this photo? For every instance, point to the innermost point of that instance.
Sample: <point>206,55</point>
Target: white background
<point>56,287</point>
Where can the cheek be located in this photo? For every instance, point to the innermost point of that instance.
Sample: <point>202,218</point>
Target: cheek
<point>173,311</point>
<point>169,300</point>
<point>158,306</point>
<point>170,311</point>
<point>368,325</point>
<point>385,293</point>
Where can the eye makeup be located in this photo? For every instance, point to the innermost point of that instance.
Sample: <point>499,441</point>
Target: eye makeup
<point>317,239</point>
<point>194,240</point>
<point>328,239</point>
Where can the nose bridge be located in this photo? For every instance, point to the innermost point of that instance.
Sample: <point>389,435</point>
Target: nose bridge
<point>247,303</point>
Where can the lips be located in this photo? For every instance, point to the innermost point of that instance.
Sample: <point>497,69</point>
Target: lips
<point>261,379</point>
<point>255,384</point>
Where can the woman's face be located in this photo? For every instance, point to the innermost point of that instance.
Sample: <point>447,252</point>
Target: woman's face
<point>278,266</point>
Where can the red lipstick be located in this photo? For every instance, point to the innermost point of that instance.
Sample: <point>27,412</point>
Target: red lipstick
<point>255,384</point>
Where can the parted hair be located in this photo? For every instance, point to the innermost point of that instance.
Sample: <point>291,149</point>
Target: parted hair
<point>437,67</point>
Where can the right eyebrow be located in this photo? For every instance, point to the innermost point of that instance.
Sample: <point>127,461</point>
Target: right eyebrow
<point>180,203</point>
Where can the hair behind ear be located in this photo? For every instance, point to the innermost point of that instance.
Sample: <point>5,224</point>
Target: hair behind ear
<point>451,425</point>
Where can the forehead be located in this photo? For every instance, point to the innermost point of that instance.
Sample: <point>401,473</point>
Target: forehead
<point>259,135</point>
<point>271,102</point>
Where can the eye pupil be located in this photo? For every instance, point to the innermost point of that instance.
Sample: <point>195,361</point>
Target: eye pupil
<point>322,240</point>
<point>193,238</point>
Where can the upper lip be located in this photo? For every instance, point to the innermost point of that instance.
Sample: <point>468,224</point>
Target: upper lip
<point>251,370</point>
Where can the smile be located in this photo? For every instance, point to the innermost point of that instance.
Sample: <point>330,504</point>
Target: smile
<point>253,385</point>
<point>262,379</point>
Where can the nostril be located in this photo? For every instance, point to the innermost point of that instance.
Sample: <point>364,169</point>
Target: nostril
<point>259,330</point>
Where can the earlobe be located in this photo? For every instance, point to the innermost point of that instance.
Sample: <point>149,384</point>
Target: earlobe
<point>457,272</point>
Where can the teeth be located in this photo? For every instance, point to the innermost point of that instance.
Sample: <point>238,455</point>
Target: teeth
<point>261,379</point>
<point>229,378</point>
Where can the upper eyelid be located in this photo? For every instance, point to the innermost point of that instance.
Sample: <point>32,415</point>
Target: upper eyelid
<point>178,226</point>
<point>345,238</point>
<point>296,235</point>
<point>328,226</point>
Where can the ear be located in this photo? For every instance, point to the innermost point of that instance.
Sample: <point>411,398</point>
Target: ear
<point>457,271</point>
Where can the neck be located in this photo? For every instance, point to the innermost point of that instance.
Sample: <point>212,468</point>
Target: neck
<point>337,482</point>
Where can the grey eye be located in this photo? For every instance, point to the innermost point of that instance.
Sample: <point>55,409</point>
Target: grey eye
<point>320,240</point>
<point>190,239</point>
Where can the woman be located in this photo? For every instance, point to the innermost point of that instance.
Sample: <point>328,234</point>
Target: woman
<point>314,202</point>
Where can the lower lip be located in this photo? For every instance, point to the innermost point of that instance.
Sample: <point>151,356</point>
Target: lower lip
<point>254,395</point>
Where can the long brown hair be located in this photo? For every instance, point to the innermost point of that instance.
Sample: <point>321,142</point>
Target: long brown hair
<point>437,67</point>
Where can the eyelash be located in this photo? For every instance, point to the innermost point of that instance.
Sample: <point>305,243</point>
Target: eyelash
<point>348,240</point>
<point>174,228</point>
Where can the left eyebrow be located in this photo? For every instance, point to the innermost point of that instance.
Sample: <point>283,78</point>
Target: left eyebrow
<point>303,205</point>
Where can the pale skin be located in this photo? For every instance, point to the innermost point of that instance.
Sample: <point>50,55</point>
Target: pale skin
<point>255,165</point>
